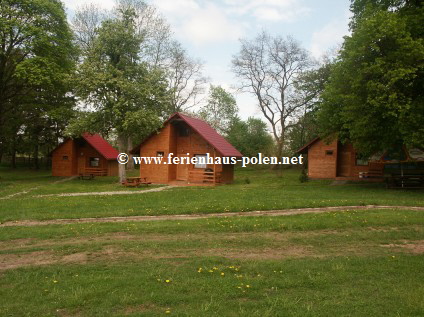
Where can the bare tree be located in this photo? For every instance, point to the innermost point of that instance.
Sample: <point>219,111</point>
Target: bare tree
<point>85,24</point>
<point>186,81</point>
<point>267,68</point>
<point>158,49</point>
<point>155,30</point>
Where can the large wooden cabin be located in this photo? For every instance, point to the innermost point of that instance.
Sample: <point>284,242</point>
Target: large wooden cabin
<point>187,137</point>
<point>88,155</point>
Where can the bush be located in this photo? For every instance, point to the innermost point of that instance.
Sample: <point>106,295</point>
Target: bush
<point>303,178</point>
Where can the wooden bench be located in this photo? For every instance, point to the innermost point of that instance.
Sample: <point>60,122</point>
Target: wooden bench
<point>135,181</point>
<point>95,171</point>
<point>405,181</point>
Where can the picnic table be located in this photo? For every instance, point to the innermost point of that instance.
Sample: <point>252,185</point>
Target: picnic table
<point>135,181</point>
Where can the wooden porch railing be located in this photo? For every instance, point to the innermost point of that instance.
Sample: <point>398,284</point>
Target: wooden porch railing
<point>95,171</point>
<point>196,176</point>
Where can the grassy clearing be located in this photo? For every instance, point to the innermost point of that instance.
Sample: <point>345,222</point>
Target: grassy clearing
<point>264,192</point>
<point>353,263</point>
<point>42,183</point>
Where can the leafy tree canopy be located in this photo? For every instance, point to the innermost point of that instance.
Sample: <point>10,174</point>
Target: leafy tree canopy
<point>37,58</point>
<point>250,137</point>
<point>220,109</point>
<point>374,96</point>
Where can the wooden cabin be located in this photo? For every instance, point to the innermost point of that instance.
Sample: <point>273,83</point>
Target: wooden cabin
<point>339,161</point>
<point>186,137</point>
<point>88,155</point>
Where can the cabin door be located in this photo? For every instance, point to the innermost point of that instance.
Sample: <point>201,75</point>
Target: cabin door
<point>81,164</point>
<point>182,170</point>
<point>343,161</point>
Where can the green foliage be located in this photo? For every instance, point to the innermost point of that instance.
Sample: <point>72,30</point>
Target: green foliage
<point>250,137</point>
<point>220,110</point>
<point>127,97</point>
<point>302,132</point>
<point>303,177</point>
<point>36,61</point>
<point>375,94</point>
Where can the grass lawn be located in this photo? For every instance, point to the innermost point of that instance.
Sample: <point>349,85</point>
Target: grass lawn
<point>353,263</point>
<point>41,182</point>
<point>252,190</point>
<point>346,263</point>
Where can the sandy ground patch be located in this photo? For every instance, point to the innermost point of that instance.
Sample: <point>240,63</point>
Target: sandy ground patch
<point>285,212</point>
<point>415,247</point>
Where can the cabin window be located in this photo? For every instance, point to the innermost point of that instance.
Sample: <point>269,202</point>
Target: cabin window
<point>183,130</point>
<point>201,161</point>
<point>65,157</point>
<point>160,154</point>
<point>94,161</point>
<point>329,152</point>
<point>361,161</point>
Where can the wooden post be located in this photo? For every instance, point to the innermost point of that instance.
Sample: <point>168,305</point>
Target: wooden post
<point>214,167</point>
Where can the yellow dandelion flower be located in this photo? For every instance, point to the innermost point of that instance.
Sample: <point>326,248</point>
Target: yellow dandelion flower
<point>222,273</point>
<point>168,311</point>
<point>168,281</point>
<point>54,281</point>
<point>248,286</point>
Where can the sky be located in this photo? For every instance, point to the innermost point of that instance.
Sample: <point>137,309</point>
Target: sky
<point>210,30</point>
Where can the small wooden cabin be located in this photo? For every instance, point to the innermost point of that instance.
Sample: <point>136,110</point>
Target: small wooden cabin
<point>88,155</point>
<point>186,137</point>
<point>339,161</point>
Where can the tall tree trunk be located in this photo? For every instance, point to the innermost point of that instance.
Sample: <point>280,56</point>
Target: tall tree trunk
<point>122,148</point>
<point>47,158</point>
<point>36,161</point>
<point>13,161</point>
<point>130,164</point>
<point>279,155</point>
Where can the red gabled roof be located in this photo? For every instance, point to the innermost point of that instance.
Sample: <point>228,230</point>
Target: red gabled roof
<point>101,145</point>
<point>210,135</point>
<point>206,132</point>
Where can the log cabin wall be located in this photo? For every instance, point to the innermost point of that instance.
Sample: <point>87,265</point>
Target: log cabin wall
<point>84,153</point>
<point>336,160</point>
<point>172,169</point>
<point>347,163</point>
<point>113,168</point>
<point>178,138</point>
<point>322,160</point>
<point>157,143</point>
<point>194,144</point>
<point>64,162</point>
<point>227,173</point>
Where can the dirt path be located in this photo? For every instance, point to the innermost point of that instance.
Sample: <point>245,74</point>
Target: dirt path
<point>123,192</point>
<point>286,212</point>
<point>37,187</point>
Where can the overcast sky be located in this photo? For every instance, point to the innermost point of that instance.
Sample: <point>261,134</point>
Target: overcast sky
<point>210,30</point>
